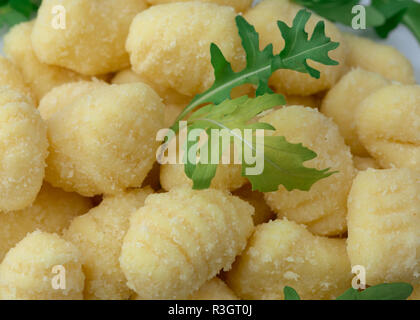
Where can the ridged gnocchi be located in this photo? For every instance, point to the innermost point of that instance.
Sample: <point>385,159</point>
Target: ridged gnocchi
<point>23,150</point>
<point>99,235</point>
<point>388,125</point>
<point>52,211</point>
<point>342,101</point>
<point>375,57</point>
<point>181,239</point>
<point>27,271</point>
<point>322,208</point>
<point>282,253</point>
<point>105,141</point>
<point>384,225</point>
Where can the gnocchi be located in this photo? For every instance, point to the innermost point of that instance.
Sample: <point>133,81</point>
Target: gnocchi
<point>384,225</point>
<point>282,253</point>
<point>323,208</point>
<point>99,235</point>
<point>181,239</point>
<point>75,46</point>
<point>26,272</point>
<point>94,142</point>
<point>388,125</point>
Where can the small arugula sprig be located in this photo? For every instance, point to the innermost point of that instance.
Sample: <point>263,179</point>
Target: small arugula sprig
<point>283,161</point>
<point>16,11</point>
<point>385,291</point>
<point>383,15</point>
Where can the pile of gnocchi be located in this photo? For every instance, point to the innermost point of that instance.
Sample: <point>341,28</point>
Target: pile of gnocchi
<point>80,188</point>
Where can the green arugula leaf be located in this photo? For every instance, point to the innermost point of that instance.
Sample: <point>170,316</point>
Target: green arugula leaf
<point>283,161</point>
<point>16,11</point>
<point>386,291</point>
<point>412,19</point>
<point>341,11</point>
<point>393,11</point>
<point>298,47</point>
<point>283,165</point>
<point>9,16</point>
<point>260,64</point>
<point>290,294</point>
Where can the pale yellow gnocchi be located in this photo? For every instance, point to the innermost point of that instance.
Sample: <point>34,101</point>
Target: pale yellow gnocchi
<point>181,239</point>
<point>71,43</point>
<point>282,253</point>
<point>323,208</point>
<point>388,126</point>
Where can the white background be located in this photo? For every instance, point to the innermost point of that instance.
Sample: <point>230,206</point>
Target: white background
<point>401,38</point>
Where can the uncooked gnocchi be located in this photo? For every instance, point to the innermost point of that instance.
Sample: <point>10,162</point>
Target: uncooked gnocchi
<point>175,54</point>
<point>282,253</point>
<point>39,76</point>
<point>75,46</point>
<point>181,239</point>
<point>342,101</point>
<point>105,141</point>
<point>388,125</point>
<point>52,211</point>
<point>99,235</point>
<point>28,270</point>
<point>23,150</point>
<point>323,209</point>
<point>384,225</point>
<point>375,57</point>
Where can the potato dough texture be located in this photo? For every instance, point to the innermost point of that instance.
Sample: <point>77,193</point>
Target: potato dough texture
<point>228,177</point>
<point>388,124</point>
<point>23,150</point>
<point>169,44</point>
<point>214,289</point>
<point>26,272</point>
<point>342,101</point>
<point>282,253</point>
<point>105,141</point>
<point>263,212</point>
<point>64,95</point>
<point>52,212</point>
<point>40,77</point>
<point>181,239</point>
<point>93,41</point>
<point>239,5</point>
<point>8,95</point>
<point>384,225</point>
<point>323,208</point>
<point>376,57</point>
<point>264,17</point>
<point>99,235</point>
<point>363,164</point>
<point>11,78</point>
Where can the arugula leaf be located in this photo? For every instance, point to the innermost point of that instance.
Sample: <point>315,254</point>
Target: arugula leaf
<point>341,11</point>
<point>383,15</point>
<point>393,11</point>
<point>283,161</point>
<point>260,64</point>
<point>412,19</point>
<point>16,11</point>
<point>9,16</point>
<point>290,294</point>
<point>385,291</point>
